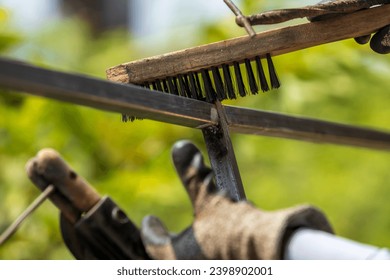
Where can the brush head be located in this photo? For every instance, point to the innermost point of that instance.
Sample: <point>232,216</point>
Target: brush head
<point>218,82</point>
<point>232,68</point>
<point>221,82</point>
<point>218,71</point>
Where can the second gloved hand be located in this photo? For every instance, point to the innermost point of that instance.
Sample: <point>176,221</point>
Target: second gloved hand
<point>222,228</point>
<point>379,42</point>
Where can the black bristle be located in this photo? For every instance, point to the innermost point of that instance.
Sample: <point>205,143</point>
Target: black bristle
<point>201,96</point>
<point>227,78</point>
<point>165,86</point>
<point>187,84</point>
<point>275,83</point>
<point>147,85</point>
<point>239,81</point>
<point>129,118</point>
<point>171,86</point>
<point>251,77</point>
<point>194,89</point>
<point>159,86</point>
<point>125,118</point>
<point>182,90</point>
<point>208,86</point>
<point>176,85</point>
<point>220,90</point>
<point>260,71</point>
<point>218,83</point>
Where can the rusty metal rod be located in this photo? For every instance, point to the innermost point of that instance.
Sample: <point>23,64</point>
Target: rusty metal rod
<point>240,17</point>
<point>26,213</point>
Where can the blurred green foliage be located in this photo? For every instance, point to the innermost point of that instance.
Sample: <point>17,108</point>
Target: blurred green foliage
<point>342,82</point>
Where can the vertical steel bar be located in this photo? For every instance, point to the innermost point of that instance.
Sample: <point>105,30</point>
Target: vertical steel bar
<point>222,157</point>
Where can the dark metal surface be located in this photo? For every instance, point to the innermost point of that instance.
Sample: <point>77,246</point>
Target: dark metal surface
<point>132,100</point>
<point>104,95</point>
<point>278,125</point>
<point>222,157</point>
<point>104,233</point>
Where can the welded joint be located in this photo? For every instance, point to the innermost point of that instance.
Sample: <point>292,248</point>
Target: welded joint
<point>214,118</point>
<point>241,18</point>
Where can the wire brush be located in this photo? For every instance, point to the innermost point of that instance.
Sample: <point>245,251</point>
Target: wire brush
<point>232,68</point>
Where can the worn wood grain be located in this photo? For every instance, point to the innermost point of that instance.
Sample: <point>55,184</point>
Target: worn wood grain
<point>275,42</point>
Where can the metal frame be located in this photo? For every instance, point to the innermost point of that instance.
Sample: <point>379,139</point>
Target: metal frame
<point>215,120</point>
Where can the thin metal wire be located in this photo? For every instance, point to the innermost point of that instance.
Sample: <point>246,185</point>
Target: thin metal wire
<point>248,27</point>
<point>30,209</point>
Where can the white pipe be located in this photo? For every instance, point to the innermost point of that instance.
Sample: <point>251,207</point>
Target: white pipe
<point>307,244</point>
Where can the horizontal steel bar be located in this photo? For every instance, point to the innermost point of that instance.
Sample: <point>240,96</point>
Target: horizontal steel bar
<point>104,95</point>
<point>144,103</point>
<point>257,122</point>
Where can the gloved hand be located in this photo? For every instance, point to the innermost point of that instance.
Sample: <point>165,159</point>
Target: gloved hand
<point>379,43</point>
<point>222,228</point>
<point>93,227</point>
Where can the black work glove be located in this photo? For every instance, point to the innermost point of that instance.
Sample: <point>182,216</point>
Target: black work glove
<point>222,228</point>
<point>379,43</point>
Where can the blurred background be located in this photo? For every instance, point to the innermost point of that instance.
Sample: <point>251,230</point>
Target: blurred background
<point>342,82</point>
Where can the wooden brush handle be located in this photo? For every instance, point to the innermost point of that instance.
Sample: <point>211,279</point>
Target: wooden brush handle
<point>73,193</point>
<point>275,42</point>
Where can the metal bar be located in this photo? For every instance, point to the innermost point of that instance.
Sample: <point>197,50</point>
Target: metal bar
<point>104,95</point>
<point>222,158</point>
<point>30,209</point>
<point>256,122</point>
<point>240,17</point>
<point>132,100</point>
